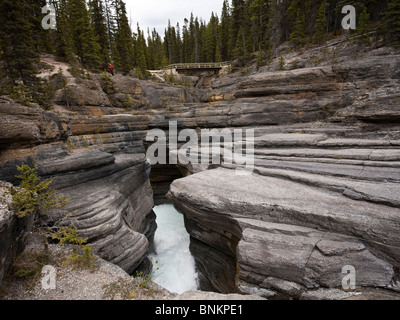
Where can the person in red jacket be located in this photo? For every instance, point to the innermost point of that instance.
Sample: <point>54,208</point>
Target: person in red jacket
<point>111,69</point>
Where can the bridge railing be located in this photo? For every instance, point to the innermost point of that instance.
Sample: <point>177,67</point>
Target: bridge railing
<point>206,65</point>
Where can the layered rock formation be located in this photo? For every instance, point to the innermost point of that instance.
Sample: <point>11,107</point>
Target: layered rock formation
<point>110,200</point>
<point>324,192</point>
<point>110,195</point>
<point>322,196</point>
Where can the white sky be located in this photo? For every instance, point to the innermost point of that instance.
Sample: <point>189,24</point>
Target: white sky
<point>155,13</point>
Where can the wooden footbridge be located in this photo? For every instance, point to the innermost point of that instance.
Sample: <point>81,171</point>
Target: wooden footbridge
<point>197,67</point>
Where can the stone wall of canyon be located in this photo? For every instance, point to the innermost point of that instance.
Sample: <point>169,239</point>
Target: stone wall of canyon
<point>324,192</point>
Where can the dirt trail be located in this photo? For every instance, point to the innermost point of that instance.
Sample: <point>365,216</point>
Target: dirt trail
<point>50,59</point>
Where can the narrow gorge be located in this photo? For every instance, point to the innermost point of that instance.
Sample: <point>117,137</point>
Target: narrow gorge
<point>324,193</point>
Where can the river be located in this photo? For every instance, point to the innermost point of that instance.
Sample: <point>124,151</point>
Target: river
<point>173,264</point>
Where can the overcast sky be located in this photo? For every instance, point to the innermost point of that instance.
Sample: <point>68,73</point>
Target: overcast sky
<point>155,13</point>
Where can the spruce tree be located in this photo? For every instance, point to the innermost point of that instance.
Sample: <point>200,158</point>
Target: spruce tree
<point>237,27</point>
<point>392,16</point>
<point>259,17</point>
<point>211,38</point>
<point>218,52</point>
<point>123,42</point>
<point>140,54</point>
<point>297,36</point>
<point>100,30</point>
<point>172,44</point>
<point>202,42</point>
<point>151,53</point>
<point>159,51</point>
<point>363,28</point>
<point>281,64</point>
<point>17,42</point>
<point>274,29</point>
<point>186,41</point>
<point>85,42</point>
<point>111,25</point>
<point>240,48</point>
<point>224,31</point>
<point>43,38</point>
<point>321,25</point>
<point>195,38</point>
<point>63,39</point>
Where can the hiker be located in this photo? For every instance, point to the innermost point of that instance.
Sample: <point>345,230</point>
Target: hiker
<point>111,69</point>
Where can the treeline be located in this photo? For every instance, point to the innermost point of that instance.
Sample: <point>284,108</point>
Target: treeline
<point>98,32</point>
<point>93,33</point>
<point>247,26</point>
<point>90,33</point>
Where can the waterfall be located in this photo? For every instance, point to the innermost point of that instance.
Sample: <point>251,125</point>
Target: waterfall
<point>173,264</point>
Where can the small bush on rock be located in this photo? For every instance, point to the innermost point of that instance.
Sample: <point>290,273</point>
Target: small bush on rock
<point>37,198</point>
<point>34,196</point>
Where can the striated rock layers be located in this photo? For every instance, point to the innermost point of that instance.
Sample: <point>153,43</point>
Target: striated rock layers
<point>324,192</point>
<point>110,195</point>
<point>110,202</point>
<point>323,195</point>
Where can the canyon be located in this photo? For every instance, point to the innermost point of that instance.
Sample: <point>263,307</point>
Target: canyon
<point>324,193</point>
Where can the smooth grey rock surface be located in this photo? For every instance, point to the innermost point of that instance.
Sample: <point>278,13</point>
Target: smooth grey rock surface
<point>204,296</point>
<point>112,207</point>
<point>287,230</point>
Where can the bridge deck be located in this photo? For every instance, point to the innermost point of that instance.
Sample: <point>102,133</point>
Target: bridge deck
<point>197,66</point>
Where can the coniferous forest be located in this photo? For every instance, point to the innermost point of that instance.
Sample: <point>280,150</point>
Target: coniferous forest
<point>94,33</point>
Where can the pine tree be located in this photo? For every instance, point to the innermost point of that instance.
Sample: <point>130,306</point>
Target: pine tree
<point>100,30</point>
<point>224,31</point>
<point>123,42</point>
<point>195,38</point>
<point>85,42</point>
<point>211,38</point>
<point>297,36</point>
<point>276,31</point>
<point>140,54</point>
<point>363,28</point>
<point>237,28</point>
<point>172,44</point>
<point>19,52</point>
<point>202,41</point>
<point>281,64</point>
<point>321,25</point>
<point>259,17</point>
<point>151,62</point>
<point>43,38</point>
<point>185,41</point>
<point>111,25</point>
<point>159,51</point>
<point>240,48</point>
<point>392,16</point>
<point>17,44</point>
<point>63,39</point>
<point>218,52</point>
